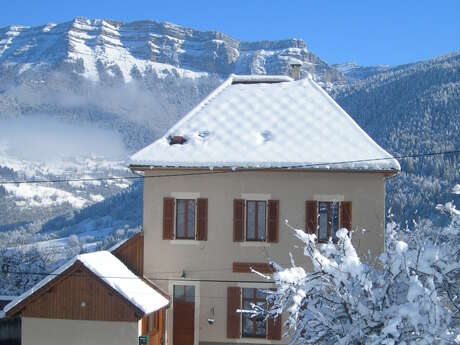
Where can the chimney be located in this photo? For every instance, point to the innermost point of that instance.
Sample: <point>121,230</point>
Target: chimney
<point>294,70</point>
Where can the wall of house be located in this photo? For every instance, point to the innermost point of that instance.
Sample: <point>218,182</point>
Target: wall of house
<point>40,331</point>
<point>213,259</point>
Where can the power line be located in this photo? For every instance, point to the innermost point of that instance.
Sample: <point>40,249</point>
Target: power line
<point>230,171</point>
<point>148,277</point>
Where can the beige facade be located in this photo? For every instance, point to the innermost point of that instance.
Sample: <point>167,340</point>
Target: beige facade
<point>202,262</point>
<point>41,331</point>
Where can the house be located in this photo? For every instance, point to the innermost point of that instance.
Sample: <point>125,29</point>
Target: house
<point>220,183</point>
<point>93,299</point>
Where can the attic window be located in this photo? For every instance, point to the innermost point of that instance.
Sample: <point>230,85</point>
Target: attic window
<point>177,140</point>
<point>266,135</point>
<point>204,134</point>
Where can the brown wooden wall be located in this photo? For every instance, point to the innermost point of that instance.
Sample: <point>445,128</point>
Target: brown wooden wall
<point>154,326</point>
<point>63,299</point>
<point>131,253</point>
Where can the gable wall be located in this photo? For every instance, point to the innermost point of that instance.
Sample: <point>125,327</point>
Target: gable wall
<point>64,299</point>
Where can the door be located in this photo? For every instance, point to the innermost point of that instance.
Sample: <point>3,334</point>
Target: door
<point>183,314</point>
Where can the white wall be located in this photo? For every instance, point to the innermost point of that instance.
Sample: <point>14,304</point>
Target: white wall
<point>212,259</point>
<point>40,331</point>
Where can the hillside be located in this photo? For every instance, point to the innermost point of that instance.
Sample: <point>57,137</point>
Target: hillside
<point>412,109</point>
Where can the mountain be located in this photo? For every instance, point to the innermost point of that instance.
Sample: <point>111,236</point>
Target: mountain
<point>353,71</point>
<point>101,50</point>
<point>411,109</point>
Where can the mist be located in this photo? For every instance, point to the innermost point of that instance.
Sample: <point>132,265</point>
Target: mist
<point>44,138</point>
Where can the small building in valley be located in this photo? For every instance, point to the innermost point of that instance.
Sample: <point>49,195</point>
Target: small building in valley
<point>94,299</point>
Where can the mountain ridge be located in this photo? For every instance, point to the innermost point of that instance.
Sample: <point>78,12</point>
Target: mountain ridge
<point>89,46</point>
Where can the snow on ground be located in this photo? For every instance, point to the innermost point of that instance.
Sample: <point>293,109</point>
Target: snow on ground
<point>41,196</point>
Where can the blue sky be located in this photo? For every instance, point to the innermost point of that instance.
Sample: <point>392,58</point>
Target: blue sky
<point>368,32</point>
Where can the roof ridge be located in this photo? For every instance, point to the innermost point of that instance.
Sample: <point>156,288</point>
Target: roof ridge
<point>259,78</point>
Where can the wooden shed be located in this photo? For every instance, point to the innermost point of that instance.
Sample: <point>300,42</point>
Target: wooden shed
<point>93,299</point>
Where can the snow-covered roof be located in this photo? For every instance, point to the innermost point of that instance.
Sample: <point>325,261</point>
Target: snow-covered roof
<point>115,274</point>
<point>267,122</point>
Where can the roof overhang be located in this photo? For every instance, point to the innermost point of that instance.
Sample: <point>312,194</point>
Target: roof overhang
<point>205,170</point>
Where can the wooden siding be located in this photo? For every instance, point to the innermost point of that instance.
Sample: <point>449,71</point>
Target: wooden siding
<point>131,253</point>
<point>153,325</point>
<point>62,298</point>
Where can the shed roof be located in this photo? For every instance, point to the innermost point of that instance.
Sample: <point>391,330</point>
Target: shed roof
<point>114,274</point>
<point>267,122</point>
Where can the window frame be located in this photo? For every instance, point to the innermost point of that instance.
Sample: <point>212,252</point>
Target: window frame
<point>329,220</point>
<point>253,300</point>
<point>256,221</point>
<point>186,220</point>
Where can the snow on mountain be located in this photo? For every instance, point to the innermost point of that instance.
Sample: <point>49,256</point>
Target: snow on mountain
<point>99,49</point>
<point>352,71</point>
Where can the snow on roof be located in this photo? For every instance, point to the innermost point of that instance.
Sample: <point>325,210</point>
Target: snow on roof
<point>115,274</point>
<point>267,122</point>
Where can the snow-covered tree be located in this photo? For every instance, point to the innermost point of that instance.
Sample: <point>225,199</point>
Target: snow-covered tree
<point>408,296</point>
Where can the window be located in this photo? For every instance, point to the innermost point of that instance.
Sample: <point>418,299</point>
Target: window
<point>255,327</point>
<point>184,293</point>
<point>185,219</point>
<point>328,220</point>
<point>256,220</point>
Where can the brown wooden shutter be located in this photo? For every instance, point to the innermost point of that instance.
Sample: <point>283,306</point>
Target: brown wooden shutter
<point>345,214</point>
<point>202,220</point>
<point>168,218</point>
<point>238,220</point>
<point>273,221</point>
<point>233,317</point>
<point>311,216</point>
<point>274,327</point>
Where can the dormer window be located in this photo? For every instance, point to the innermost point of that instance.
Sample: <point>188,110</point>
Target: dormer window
<point>177,140</point>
